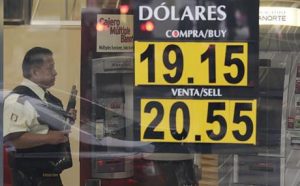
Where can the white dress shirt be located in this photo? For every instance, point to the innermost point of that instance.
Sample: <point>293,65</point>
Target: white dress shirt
<point>20,117</point>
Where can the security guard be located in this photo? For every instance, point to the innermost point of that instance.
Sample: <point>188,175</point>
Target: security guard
<point>28,127</point>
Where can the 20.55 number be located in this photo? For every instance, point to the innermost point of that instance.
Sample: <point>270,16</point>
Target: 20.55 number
<point>198,121</point>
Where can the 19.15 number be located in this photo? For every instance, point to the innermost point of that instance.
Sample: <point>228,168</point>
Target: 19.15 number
<point>208,56</point>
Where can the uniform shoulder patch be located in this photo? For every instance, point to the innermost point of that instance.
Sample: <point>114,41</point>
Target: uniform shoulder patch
<point>14,117</point>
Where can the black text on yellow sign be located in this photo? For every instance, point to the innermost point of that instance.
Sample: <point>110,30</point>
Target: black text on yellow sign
<point>191,63</point>
<point>198,121</point>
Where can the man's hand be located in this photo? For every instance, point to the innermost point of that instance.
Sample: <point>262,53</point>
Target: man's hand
<point>56,137</point>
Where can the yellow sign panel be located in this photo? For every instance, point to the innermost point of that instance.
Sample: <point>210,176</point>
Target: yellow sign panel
<point>198,121</point>
<point>191,63</point>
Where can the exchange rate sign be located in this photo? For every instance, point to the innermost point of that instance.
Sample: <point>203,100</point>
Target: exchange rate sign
<point>196,71</point>
<point>191,63</point>
<point>206,121</point>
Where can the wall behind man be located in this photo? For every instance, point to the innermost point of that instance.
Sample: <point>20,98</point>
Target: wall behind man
<point>64,41</point>
<point>56,9</point>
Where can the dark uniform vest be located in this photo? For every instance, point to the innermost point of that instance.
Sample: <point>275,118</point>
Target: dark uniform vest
<point>45,158</point>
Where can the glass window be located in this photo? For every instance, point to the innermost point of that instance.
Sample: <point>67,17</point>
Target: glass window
<point>140,93</point>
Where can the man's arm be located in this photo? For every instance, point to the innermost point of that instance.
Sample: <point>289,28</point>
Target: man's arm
<point>29,140</point>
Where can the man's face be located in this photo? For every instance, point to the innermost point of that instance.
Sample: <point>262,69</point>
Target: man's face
<point>44,75</point>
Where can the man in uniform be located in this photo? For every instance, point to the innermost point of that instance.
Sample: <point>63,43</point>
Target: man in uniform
<point>33,124</point>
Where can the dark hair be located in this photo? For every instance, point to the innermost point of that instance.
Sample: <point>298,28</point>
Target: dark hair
<point>33,58</point>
